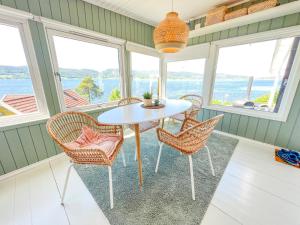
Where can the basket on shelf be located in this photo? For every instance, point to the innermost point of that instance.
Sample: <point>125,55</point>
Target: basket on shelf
<point>262,6</point>
<point>215,15</point>
<point>236,13</point>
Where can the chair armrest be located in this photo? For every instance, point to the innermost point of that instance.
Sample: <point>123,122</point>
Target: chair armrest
<point>189,122</point>
<point>165,136</point>
<point>88,155</point>
<point>109,129</point>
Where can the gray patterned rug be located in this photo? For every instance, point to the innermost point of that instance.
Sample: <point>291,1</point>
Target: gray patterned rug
<point>166,197</point>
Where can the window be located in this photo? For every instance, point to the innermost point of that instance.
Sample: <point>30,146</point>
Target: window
<point>88,70</point>
<point>21,92</point>
<point>185,77</point>
<point>145,74</point>
<point>254,76</point>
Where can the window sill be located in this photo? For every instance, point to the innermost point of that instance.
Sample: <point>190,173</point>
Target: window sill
<point>95,108</point>
<point>12,122</point>
<point>248,112</point>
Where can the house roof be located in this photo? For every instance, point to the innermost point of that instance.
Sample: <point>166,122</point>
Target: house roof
<point>27,103</point>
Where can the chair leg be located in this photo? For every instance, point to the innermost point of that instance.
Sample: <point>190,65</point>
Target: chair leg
<point>111,193</point>
<point>192,177</point>
<point>210,162</point>
<point>66,184</point>
<point>135,156</point>
<point>158,158</point>
<point>123,157</point>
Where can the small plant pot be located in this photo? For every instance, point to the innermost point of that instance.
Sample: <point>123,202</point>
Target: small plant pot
<point>147,102</point>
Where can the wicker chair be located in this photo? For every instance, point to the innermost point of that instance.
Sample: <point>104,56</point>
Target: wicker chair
<point>66,127</point>
<point>192,137</point>
<point>193,112</point>
<point>145,126</point>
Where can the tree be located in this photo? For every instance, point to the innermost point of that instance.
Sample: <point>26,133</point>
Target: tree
<point>115,95</point>
<point>88,88</point>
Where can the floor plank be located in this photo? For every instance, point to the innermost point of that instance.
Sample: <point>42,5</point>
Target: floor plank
<point>45,199</point>
<point>254,190</point>
<point>214,215</point>
<point>79,203</point>
<point>7,196</point>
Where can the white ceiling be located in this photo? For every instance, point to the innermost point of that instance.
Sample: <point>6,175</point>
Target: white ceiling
<point>153,11</point>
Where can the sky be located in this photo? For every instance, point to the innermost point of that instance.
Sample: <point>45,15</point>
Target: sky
<point>193,66</point>
<point>11,48</point>
<point>250,59</point>
<point>255,59</point>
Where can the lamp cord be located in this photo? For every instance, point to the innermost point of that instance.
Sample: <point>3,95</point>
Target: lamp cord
<point>172,5</point>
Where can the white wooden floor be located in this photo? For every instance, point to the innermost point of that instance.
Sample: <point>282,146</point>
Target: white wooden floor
<point>254,190</point>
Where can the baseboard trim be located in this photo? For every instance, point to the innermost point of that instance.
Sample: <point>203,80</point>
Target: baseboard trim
<point>30,167</point>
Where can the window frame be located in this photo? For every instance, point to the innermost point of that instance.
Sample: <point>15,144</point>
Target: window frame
<point>92,38</point>
<point>291,87</point>
<point>22,24</point>
<point>140,49</point>
<point>201,51</point>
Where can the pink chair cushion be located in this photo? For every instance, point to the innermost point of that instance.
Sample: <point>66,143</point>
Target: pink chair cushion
<point>90,139</point>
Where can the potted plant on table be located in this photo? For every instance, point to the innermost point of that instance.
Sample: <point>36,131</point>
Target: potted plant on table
<point>147,99</point>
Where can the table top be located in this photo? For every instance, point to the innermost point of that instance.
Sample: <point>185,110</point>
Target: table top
<point>134,113</point>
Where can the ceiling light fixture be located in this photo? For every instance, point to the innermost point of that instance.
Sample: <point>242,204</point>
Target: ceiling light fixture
<point>171,34</point>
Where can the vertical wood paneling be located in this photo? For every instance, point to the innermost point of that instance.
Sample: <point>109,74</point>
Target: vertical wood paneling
<point>38,142</point>
<point>226,122</point>
<point>242,127</point>
<point>113,24</point>
<point>234,123</point>
<point>73,12</point>
<point>261,130</point>
<point>272,132</point>
<point>10,3</point>
<point>34,7</point>
<point>49,144</point>
<point>16,148</point>
<point>22,5</point>
<point>55,9</point>
<point>95,16</point>
<point>81,13</point>
<point>219,125</point>
<point>88,16</point>
<point>28,145</point>
<point>252,126</point>
<point>286,129</point>
<point>45,8</point>
<point>107,22</point>
<point>65,11</point>
<point>6,156</point>
<point>102,20</point>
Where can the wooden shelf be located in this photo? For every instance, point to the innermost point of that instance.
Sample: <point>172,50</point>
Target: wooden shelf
<point>278,11</point>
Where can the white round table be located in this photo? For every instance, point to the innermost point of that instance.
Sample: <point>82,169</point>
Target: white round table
<point>135,114</point>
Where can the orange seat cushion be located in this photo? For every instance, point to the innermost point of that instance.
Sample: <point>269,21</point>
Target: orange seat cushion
<point>90,139</point>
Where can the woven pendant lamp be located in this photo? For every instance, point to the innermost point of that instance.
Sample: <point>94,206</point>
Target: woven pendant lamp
<point>171,34</point>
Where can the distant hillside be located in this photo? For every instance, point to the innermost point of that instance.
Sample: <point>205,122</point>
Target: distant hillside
<point>22,72</point>
<point>12,72</point>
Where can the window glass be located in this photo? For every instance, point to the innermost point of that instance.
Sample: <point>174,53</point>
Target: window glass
<point>254,76</point>
<point>17,95</point>
<point>185,77</point>
<point>89,72</point>
<point>145,74</point>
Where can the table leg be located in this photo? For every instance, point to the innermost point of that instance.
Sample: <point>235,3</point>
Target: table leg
<point>138,151</point>
<point>163,123</point>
